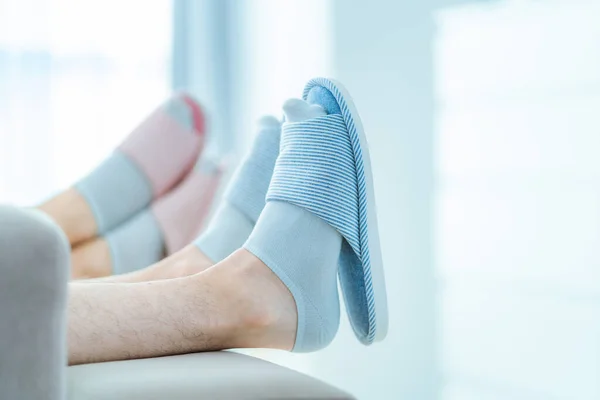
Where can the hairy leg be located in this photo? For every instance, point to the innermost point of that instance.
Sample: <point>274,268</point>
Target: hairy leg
<point>73,214</point>
<point>238,303</point>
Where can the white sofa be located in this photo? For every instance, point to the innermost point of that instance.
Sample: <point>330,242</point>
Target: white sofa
<point>216,375</point>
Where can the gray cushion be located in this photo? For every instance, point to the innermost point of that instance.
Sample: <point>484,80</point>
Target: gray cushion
<point>216,375</point>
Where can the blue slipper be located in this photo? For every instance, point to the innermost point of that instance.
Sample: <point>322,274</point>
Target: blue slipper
<point>338,188</point>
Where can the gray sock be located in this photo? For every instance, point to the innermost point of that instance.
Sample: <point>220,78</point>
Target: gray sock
<point>302,250</point>
<point>34,268</point>
<point>245,196</point>
<point>136,244</point>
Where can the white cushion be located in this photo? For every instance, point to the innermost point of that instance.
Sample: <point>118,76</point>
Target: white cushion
<point>215,375</point>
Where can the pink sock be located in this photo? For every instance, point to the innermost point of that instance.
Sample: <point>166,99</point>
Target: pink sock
<point>182,212</point>
<point>166,146</point>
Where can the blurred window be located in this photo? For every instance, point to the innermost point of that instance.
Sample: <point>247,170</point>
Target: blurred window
<point>75,77</point>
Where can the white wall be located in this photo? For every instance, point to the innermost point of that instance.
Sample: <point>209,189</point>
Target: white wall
<point>276,47</point>
<point>517,203</point>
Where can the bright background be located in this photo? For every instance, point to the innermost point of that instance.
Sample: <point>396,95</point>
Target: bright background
<point>483,119</point>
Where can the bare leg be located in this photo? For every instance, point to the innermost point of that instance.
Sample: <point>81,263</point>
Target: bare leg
<point>188,261</point>
<point>73,214</point>
<point>237,303</point>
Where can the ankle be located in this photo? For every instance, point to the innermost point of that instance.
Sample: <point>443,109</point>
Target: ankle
<point>265,311</point>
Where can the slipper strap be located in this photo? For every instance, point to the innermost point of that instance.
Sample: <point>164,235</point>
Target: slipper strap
<point>316,171</point>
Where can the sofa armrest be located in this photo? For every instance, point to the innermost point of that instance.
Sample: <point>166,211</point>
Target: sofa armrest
<point>214,375</point>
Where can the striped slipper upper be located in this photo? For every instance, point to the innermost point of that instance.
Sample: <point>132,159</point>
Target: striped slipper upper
<point>324,167</point>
